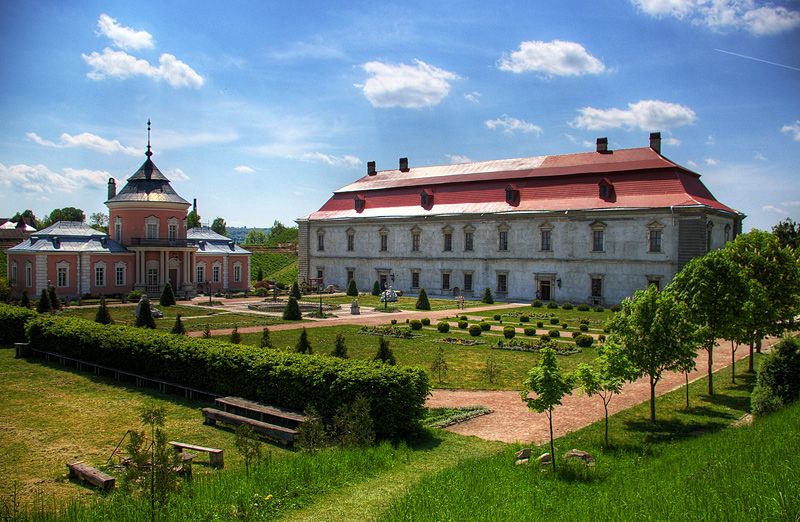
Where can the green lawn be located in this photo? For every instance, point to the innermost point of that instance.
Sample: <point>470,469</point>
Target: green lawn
<point>366,300</point>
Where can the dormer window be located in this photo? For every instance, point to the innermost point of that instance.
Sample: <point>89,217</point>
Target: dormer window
<point>359,203</point>
<point>426,198</point>
<point>606,189</point>
<point>512,194</point>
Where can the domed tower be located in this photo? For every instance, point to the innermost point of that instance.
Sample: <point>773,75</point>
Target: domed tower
<point>149,218</point>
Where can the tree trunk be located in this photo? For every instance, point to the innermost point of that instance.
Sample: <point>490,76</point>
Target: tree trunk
<point>652,401</point>
<point>733,364</point>
<point>605,405</point>
<point>758,344</point>
<point>710,350</point>
<point>686,375</point>
<point>552,445</point>
<point>750,361</point>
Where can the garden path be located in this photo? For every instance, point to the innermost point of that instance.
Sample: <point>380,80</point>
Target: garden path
<point>512,421</point>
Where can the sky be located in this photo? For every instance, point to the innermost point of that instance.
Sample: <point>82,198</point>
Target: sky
<point>262,109</point>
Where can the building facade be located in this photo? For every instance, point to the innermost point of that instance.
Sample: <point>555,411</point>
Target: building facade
<point>587,228</point>
<point>147,246</point>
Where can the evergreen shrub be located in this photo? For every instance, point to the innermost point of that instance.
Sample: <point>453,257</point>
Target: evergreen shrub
<point>584,327</point>
<point>425,321</point>
<point>584,340</point>
<point>352,289</point>
<point>552,305</point>
<point>422,301</point>
<point>530,331</point>
<point>12,323</point>
<point>443,327</point>
<point>536,304</point>
<point>539,324</point>
<point>167,296</point>
<point>554,333</point>
<point>475,330</point>
<point>462,325</point>
<point>485,326</point>
<point>292,310</point>
<point>415,324</point>
<point>487,298</point>
<point>497,317</point>
<point>566,306</point>
<point>509,332</point>
<point>583,308</point>
<point>524,319</point>
<point>376,288</point>
<point>554,320</point>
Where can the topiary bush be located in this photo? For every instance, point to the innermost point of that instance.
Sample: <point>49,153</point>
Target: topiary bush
<point>554,320</point>
<point>552,305</point>
<point>12,323</point>
<point>584,340</point>
<point>530,331</point>
<point>376,288</point>
<point>575,334</point>
<point>485,326</point>
<point>292,310</point>
<point>462,325</point>
<point>393,321</point>
<point>352,289</point>
<point>497,317</point>
<point>425,321</point>
<point>103,316</point>
<point>43,305</point>
<point>295,292</point>
<point>415,324</point>
<point>509,332</point>
<point>422,301</point>
<point>599,309</point>
<point>583,308</point>
<point>539,324</point>
<point>601,338</point>
<point>584,327</point>
<point>778,380</point>
<point>536,304</point>
<point>443,327</point>
<point>524,319</point>
<point>167,296</point>
<point>475,330</point>
<point>545,338</point>
<point>487,298</point>
<point>566,306</point>
<point>564,326</point>
<point>554,333</point>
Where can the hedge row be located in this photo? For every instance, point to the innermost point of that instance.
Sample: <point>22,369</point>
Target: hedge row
<point>12,323</point>
<point>396,394</point>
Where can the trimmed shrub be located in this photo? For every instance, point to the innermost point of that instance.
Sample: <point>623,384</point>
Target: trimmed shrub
<point>554,320</point>
<point>545,338</point>
<point>178,328</point>
<point>103,316</point>
<point>487,298</point>
<point>509,332</point>
<point>524,319</point>
<point>144,315</point>
<point>463,317</point>
<point>376,288</point>
<point>779,376</point>
<point>44,306</point>
<point>599,309</point>
<point>583,308</point>
<point>292,310</point>
<point>422,300</point>
<point>352,289</point>
<point>396,395</point>
<point>265,342</point>
<point>530,331</point>
<point>295,292</point>
<point>12,323</point>
<point>462,325</point>
<point>303,344</point>
<point>554,333</point>
<point>475,330</point>
<point>25,301</point>
<point>575,334</point>
<point>339,347</point>
<point>601,338</point>
<point>584,340</point>
<point>485,326</point>
<point>415,324</point>
<point>539,324</point>
<point>564,326</point>
<point>260,275</point>
<point>552,305</point>
<point>134,296</point>
<point>584,327</point>
<point>236,337</point>
<point>55,302</point>
<point>497,317</point>
<point>566,306</point>
<point>167,296</point>
<point>393,321</point>
<point>443,327</point>
<point>536,304</point>
<point>384,352</point>
<point>425,321</point>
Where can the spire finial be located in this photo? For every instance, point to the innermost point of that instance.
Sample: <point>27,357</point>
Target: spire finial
<point>148,153</point>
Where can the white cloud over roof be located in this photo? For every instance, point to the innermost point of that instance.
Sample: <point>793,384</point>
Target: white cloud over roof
<point>555,58</point>
<point>407,86</point>
<point>647,115</point>
<point>85,140</point>
<point>510,125</point>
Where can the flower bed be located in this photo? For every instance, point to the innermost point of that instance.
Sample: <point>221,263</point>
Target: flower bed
<point>461,342</point>
<point>521,345</point>
<point>397,332</point>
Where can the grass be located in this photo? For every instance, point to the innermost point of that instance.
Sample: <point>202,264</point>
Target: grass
<point>366,300</point>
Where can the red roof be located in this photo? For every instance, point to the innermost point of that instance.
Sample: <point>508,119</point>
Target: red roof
<point>641,178</point>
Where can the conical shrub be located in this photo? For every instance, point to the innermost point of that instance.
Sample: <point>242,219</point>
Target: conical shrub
<point>422,300</point>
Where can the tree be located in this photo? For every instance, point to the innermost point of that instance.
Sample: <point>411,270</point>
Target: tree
<point>303,344</point>
<point>376,288</point>
<point>778,380</point>
<point>655,335</point>
<point>491,369</point>
<point>44,306</point>
<point>55,302</point>
<point>144,315</point>
<point>339,348</point>
<point>353,425</point>
<point>218,226</point>
<point>162,480</point>
<point>422,301</point>
<point>295,291</point>
<point>292,310</point>
<point>550,386</point>
<point>715,291</point>
<point>248,446</point>
<point>167,296</point>
<point>99,221</point>
<point>178,328</point>
<point>311,433</point>
<point>255,237</point>
<point>65,214</point>
<point>29,217</point>
<point>235,337</point>
<point>103,316</point>
<point>788,233</point>
<point>606,377</point>
<point>260,275</point>
<point>265,342</point>
<point>352,289</point>
<point>192,220</point>
<point>25,301</point>
<point>439,366</point>
<point>384,352</point>
<point>276,232</point>
<point>487,296</point>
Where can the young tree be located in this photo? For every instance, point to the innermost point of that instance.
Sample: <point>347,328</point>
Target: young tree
<point>178,328</point>
<point>103,316</point>
<point>488,298</point>
<point>219,226</point>
<point>55,302</point>
<point>25,301</point>
<point>439,366</point>
<point>265,342</point>
<point>292,310</point>
<point>167,296</point>
<point>550,386</point>
<point>236,337</point>
<point>492,370</point>
<point>352,289</point>
<point>788,233</point>
<point>43,306</point>
<point>303,344</point>
<point>384,352</point>
<point>276,232</point>
<point>248,446</point>
<point>714,290</point>
<point>99,221</point>
<point>144,315</point>
<point>339,348</point>
<point>311,434</point>
<point>192,220</point>
<point>376,288</point>
<point>206,332</point>
<point>295,292</point>
<point>255,237</point>
<point>654,334</point>
<point>353,426</point>
<point>422,301</point>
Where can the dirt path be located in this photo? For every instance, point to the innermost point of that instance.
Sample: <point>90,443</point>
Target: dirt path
<point>512,421</point>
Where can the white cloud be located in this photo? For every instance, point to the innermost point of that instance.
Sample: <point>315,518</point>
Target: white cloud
<point>509,125</point>
<point>315,49</point>
<point>759,157</point>
<point>346,160</point>
<point>473,97</point>
<point>711,162</point>
<point>675,142</point>
<point>124,37</point>
<point>692,164</point>
<point>783,208</point>
<point>407,86</point>
<point>646,115</point>
<point>725,14</point>
<point>244,169</point>
<point>87,141</point>
<point>457,158</point>
<point>38,179</point>
<point>710,140</point>
<point>556,58</point>
<point>774,209</point>
<point>119,64</point>
<point>792,130</point>
<point>177,175</point>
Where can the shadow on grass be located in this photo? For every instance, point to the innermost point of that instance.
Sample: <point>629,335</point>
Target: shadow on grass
<point>674,429</point>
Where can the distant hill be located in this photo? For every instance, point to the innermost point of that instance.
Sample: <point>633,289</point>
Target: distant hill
<point>239,233</point>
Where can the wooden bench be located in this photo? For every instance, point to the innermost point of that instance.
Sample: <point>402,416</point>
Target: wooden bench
<point>282,434</point>
<point>93,476</point>
<point>216,456</point>
<point>270,414</point>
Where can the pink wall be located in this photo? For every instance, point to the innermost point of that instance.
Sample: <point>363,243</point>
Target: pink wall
<point>111,276</point>
<point>210,259</point>
<point>133,223</point>
<point>21,259</point>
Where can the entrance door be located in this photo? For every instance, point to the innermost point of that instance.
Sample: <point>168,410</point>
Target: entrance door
<point>544,289</point>
<point>173,278</point>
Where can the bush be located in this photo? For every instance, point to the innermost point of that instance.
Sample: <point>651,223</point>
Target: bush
<point>601,338</point>
<point>425,321</point>
<point>584,340</point>
<point>178,328</point>
<point>583,308</point>
<point>554,320</point>
<point>564,326</point>
<point>487,298</point>
<point>44,306</point>
<point>422,301</point>
<point>485,326</point>
<point>497,317</point>
<point>530,331</point>
<point>265,341</point>
<point>144,314</point>
<point>292,310</point>
<point>584,327</point>
<point>462,325</point>
<point>352,289</point>
<point>25,300</point>
<point>12,323</point>
<point>616,308</point>
<point>352,424</point>
<point>376,288</point>
<point>475,330</point>
<point>545,338</point>
<point>103,316</point>
<point>295,291</point>
<point>536,304</point>
<point>539,324</point>
<point>415,324</point>
<point>552,305</point>
<point>303,344</point>
<point>393,321</point>
<point>134,296</point>
<point>575,334</point>
<point>260,275</point>
<point>167,296</point>
<point>599,309</point>
<point>339,348</point>
<point>566,306</point>
<point>443,327</point>
<point>554,333</point>
<point>509,332</point>
<point>463,317</point>
<point>236,337</point>
<point>524,319</point>
<point>384,352</point>
<point>779,376</point>
<point>55,302</point>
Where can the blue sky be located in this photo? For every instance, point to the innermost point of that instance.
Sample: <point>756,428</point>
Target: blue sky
<point>261,110</point>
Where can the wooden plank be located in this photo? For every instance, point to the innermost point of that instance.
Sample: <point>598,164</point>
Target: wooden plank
<point>182,445</point>
<point>256,407</point>
<point>281,433</point>
<point>86,473</point>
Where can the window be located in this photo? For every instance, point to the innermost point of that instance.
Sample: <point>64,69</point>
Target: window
<point>468,282</point>
<point>62,274</point>
<point>99,275</point>
<point>606,189</point>
<point>360,203</point>
<point>28,275</point>
<point>654,281</point>
<point>727,233</point>
<point>415,279</point>
<point>415,240</point>
<point>215,274</point>
<point>201,274</point>
<point>119,270</point>
<point>152,277</point>
<point>351,240</point>
<point>172,229</point>
<point>448,241</point>
<point>512,194</point>
<point>13,280</point>
<point>468,241</point>
<point>655,241</point>
<point>598,240</point>
<point>445,280</point>
<point>502,240</point>
<point>237,273</point>
<point>320,241</point>
<point>597,287</point>
<point>151,228</point>
<point>502,283</point>
<point>426,198</point>
<point>351,275</point>
<point>118,229</point>
<point>384,240</point>
<point>545,244</point>
<point>709,230</point>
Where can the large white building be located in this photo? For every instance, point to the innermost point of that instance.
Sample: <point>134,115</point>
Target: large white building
<point>587,228</point>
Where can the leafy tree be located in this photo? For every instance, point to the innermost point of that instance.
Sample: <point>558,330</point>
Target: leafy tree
<point>376,288</point>
<point>236,337</point>
<point>352,289</point>
<point>162,480</point>
<point>144,316</point>
<point>311,434</point>
<point>292,310</point>
<point>167,296</point>
<point>353,425</point>
<point>339,348</point>
<point>65,214</point>
<point>247,445</point>
<point>44,306</point>
<point>276,231</point>
<point>29,217</point>
<point>303,344</point>
<point>715,292</point>
<point>255,237</point>
<point>655,335</point>
<point>55,302</point>
<point>219,226</point>
<point>384,352</point>
<point>439,366</point>
<point>550,386</point>
<point>487,298</point>
<point>192,219</point>
<point>788,233</point>
<point>99,221</point>
<point>25,301</point>
<point>260,275</point>
<point>780,371</point>
<point>606,377</point>
<point>422,301</point>
<point>492,370</point>
<point>103,316</point>
<point>265,342</point>
<point>295,292</point>
<point>178,328</point>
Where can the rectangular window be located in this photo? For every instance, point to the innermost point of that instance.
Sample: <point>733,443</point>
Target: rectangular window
<point>468,282</point>
<point>545,243</point>
<point>118,230</point>
<point>468,244</point>
<point>350,242</point>
<point>237,273</point>
<point>597,241</point>
<point>446,281</point>
<point>654,282</point>
<point>320,242</point>
<point>61,276</point>
<point>597,287</point>
<point>502,283</point>
<point>99,276</point>
<point>351,275</point>
<point>655,241</point>
<point>13,275</point>
<point>201,274</point>
<point>384,242</point>
<point>152,231</point>
<point>502,241</point>
<point>28,275</point>
<point>120,276</point>
<point>152,277</point>
<point>215,274</point>
<point>415,242</point>
<point>448,242</point>
<point>414,279</point>
<point>173,232</point>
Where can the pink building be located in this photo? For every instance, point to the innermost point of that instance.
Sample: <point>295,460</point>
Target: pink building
<point>147,246</point>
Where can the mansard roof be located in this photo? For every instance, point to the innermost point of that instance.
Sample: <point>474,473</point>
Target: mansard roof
<point>209,242</point>
<point>68,236</point>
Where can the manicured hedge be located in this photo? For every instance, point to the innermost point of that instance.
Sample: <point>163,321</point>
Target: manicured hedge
<point>12,323</point>
<point>396,394</point>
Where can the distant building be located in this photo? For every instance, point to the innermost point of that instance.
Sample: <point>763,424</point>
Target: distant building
<point>587,227</point>
<point>147,246</point>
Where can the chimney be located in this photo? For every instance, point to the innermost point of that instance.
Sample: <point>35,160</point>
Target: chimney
<point>194,205</point>
<point>655,141</point>
<point>371,168</point>
<point>602,145</point>
<point>112,188</point>
<point>403,164</point>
